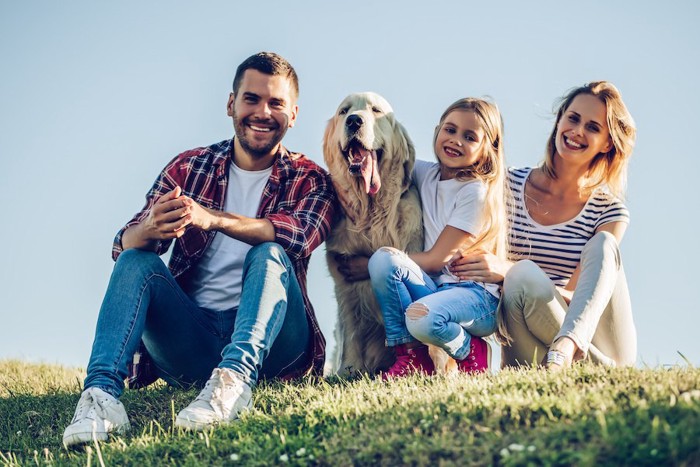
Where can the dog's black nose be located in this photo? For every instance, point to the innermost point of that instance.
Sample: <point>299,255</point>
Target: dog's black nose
<point>354,122</point>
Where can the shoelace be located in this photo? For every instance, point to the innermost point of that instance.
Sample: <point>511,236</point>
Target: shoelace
<point>87,406</point>
<point>214,391</point>
<point>470,361</point>
<point>207,391</point>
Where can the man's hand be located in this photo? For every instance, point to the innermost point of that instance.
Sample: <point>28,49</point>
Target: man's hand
<point>479,266</point>
<point>197,215</point>
<point>173,213</point>
<point>167,218</point>
<point>353,268</point>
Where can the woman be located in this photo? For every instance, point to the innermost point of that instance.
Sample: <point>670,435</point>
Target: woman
<point>564,291</point>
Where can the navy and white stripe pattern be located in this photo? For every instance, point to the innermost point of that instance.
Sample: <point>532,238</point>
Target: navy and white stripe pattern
<point>556,249</point>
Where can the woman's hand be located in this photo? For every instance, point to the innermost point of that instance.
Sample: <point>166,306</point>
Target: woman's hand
<point>479,266</point>
<point>353,268</point>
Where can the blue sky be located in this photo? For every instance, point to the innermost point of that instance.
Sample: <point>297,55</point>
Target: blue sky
<point>96,97</point>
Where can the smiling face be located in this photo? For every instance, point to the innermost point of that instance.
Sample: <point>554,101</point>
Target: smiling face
<point>582,131</point>
<point>459,142</point>
<point>263,108</point>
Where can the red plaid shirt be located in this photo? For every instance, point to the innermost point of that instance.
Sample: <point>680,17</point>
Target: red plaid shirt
<point>298,199</point>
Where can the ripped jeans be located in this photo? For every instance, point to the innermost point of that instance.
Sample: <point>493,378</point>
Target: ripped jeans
<point>414,307</point>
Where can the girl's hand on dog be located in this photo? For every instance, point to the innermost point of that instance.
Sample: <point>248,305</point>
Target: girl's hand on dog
<point>353,268</point>
<point>479,266</point>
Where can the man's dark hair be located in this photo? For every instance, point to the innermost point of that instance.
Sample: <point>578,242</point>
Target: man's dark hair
<point>269,63</point>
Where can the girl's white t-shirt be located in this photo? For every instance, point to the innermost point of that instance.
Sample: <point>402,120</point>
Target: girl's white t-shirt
<point>217,282</point>
<point>459,204</point>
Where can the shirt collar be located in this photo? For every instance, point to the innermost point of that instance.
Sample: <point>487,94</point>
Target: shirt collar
<point>280,168</point>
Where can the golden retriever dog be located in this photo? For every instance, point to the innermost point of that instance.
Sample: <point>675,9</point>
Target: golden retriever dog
<point>370,158</point>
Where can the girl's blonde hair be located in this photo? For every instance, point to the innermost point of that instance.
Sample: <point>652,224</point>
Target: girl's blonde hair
<point>608,168</point>
<point>490,169</point>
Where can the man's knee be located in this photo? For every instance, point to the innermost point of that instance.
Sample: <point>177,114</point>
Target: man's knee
<point>267,251</point>
<point>134,260</point>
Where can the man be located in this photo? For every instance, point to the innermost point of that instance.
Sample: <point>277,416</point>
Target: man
<point>245,215</point>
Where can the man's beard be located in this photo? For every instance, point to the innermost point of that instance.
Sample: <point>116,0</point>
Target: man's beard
<point>259,150</point>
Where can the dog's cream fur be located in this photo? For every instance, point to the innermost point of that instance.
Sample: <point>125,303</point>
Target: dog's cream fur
<point>370,158</point>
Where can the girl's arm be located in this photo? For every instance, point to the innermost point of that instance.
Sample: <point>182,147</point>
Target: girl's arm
<point>615,228</point>
<point>450,241</point>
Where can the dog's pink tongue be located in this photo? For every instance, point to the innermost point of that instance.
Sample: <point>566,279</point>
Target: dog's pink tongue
<point>364,164</point>
<point>371,175</point>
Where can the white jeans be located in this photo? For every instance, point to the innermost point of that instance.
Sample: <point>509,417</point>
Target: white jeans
<point>598,319</point>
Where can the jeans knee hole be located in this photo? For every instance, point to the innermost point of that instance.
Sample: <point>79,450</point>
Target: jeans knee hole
<point>417,311</point>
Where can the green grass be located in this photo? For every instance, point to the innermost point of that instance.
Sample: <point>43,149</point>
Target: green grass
<point>587,416</point>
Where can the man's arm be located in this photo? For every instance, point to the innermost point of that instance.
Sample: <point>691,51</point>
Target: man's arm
<point>139,231</point>
<point>298,230</point>
<point>246,229</point>
<point>166,220</point>
<point>303,226</point>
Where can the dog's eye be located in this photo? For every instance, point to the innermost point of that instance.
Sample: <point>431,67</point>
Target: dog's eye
<point>343,111</point>
<point>376,110</point>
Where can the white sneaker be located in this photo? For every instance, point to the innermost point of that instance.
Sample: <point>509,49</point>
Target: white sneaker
<point>223,398</point>
<point>98,414</point>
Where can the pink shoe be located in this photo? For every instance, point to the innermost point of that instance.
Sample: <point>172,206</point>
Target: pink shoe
<point>410,361</point>
<point>479,358</point>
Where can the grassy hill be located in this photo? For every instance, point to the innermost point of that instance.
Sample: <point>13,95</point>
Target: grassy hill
<point>586,416</point>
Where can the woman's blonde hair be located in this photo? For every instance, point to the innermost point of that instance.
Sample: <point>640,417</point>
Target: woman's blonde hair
<point>490,169</point>
<point>609,168</point>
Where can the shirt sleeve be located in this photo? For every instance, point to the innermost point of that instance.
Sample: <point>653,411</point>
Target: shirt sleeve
<point>420,167</point>
<point>166,181</point>
<point>302,227</point>
<point>469,206</point>
<point>616,211</point>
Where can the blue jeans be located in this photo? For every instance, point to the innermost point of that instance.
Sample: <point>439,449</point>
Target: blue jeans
<point>415,308</point>
<point>186,342</point>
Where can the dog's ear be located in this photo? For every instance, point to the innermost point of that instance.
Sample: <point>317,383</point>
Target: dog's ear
<point>329,142</point>
<point>404,145</point>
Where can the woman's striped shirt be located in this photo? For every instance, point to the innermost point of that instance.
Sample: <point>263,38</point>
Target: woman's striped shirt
<point>556,249</point>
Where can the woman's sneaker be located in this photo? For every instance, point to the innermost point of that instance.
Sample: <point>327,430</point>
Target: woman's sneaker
<point>479,358</point>
<point>97,415</point>
<point>409,361</point>
<point>223,398</point>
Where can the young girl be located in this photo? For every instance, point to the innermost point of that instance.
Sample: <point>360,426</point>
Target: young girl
<point>566,296</point>
<point>463,209</point>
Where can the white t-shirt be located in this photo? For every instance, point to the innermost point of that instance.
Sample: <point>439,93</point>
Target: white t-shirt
<point>217,281</point>
<point>449,202</point>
